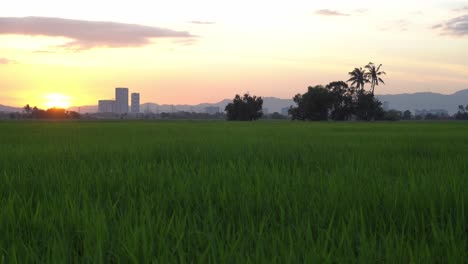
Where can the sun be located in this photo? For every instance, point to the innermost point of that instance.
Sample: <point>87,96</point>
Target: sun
<point>57,100</point>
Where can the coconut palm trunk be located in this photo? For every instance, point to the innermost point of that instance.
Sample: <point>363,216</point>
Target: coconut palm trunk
<point>373,74</point>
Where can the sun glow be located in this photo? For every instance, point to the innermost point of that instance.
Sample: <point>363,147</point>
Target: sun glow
<point>57,100</point>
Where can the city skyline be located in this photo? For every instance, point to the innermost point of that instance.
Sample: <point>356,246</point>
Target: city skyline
<point>52,54</point>
<point>119,105</point>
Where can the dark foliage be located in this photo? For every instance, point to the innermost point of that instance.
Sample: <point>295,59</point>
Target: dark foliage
<point>368,107</point>
<point>313,105</point>
<point>407,115</point>
<point>344,98</point>
<point>277,116</point>
<point>373,75</point>
<point>431,117</point>
<point>462,113</point>
<point>392,115</point>
<point>182,115</point>
<point>461,116</point>
<point>247,108</point>
<point>336,101</point>
<point>52,113</point>
<point>370,74</point>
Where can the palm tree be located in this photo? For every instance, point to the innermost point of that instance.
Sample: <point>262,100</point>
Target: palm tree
<point>27,109</point>
<point>358,78</point>
<point>373,74</point>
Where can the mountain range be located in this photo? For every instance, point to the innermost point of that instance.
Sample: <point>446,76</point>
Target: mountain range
<point>426,101</point>
<point>9,109</point>
<point>402,102</point>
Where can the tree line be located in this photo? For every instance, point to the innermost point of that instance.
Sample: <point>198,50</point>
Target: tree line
<point>462,113</point>
<point>51,113</point>
<point>336,101</point>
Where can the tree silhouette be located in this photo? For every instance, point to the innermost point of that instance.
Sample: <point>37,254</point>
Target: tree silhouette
<point>462,113</point>
<point>343,100</point>
<point>358,78</point>
<point>373,75</point>
<point>368,107</point>
<point>27,109</point>
<point>247,108</point>
<point>313,105</point>
<point>407,115</point>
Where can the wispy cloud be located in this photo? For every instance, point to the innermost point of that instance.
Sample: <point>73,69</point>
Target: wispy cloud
<point>328,12</point>
<point>197,22</point>
<point>461,9</point>
<point>7,61</point>
<point>87,34</point>
<point>455,27</point>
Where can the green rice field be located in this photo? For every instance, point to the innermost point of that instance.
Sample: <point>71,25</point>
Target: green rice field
<point>222,192</point>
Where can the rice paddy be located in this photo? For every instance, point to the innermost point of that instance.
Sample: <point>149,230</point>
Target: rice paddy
<point>222,192</point>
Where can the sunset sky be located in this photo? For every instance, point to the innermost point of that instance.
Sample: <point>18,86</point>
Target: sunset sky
<point>178,51</point>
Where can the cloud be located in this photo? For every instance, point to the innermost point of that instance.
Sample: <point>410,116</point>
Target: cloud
<point>202,22</point>
<point>87,34</point>
<point>7,61</point>
<point>462,9</point>
<point>328,12</point>
<point>455,27</point>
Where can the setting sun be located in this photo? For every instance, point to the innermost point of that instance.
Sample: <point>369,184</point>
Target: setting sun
<point>57,100</point>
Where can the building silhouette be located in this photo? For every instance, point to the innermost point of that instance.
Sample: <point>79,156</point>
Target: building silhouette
<point>120,104</point>
<point>135,107</point>
<point>106,106</point>
<point>121,101</point>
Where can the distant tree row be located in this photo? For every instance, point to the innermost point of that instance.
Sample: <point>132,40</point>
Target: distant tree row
<point>51,113</point>
<point>395,115</point>
<point>183,115</point>
<point>336,101</point>
<point>462,113</point>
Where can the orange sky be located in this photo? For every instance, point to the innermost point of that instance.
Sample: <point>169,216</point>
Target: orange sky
<point>186,52</point>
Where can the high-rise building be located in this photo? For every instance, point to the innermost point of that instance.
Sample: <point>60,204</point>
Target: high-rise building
<point>121,101</point>
<point>135,103</point>
<point>106,106</point>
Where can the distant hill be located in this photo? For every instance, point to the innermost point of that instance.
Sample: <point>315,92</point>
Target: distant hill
<point>9,109</point>
<point>84,109</point>
<point>272,104</point>
<point>401,102</point>
<point>426,101</point>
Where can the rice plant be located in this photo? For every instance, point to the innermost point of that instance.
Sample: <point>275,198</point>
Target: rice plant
<point>220,192</point>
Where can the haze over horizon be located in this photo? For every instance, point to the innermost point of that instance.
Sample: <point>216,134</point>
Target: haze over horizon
<point>187,52</point>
